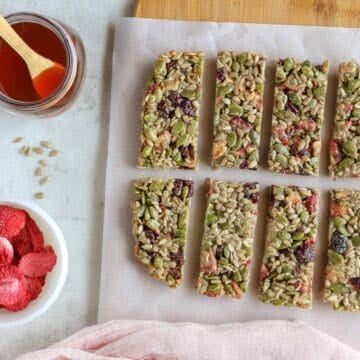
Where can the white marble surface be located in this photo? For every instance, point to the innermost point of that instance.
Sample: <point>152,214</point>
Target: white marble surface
<point>75,196</point>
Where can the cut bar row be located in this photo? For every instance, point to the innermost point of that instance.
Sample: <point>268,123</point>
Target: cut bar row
<point>170,114</point>
<point>160,221</point>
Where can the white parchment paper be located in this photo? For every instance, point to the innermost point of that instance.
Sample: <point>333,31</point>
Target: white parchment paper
<point>126,289</point>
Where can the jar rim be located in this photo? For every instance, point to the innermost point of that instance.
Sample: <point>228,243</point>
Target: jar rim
<point>71,58</point>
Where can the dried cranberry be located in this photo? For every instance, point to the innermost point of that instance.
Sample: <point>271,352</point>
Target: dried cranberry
<point>294,151</point>
<point>285,252</point>
<point>292,107</point>
<point>175,98</point>
<point>178,185</point>
<point>163,109</point>
<point>190,186</point>
<point>305,254</point>
<point>170,65</point>
<point>219,252</point>
<point>187,107</point>
<point>150,234</point>
<point>220,74</point>
<point>248,194</point>
<point>339,242</point>
<point>311,202</point>
<point>355,282</point>
<point>187,152</point>
<point>176,273</point>
<point>178,258</point>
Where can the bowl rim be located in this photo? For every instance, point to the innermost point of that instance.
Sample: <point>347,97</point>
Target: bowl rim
<point>60,239</point>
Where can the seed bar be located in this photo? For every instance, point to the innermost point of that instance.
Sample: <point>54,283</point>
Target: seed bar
<point>170,112</point>
<point>287,268</point>
<point>238,109</point>
<point>160,219</point>
<point>228,238</point>
<point>345,143</point>
<point>342,279</point>
<point>298,115</point>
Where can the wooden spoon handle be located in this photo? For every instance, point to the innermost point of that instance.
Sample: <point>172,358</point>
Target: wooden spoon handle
<point>35,62</point>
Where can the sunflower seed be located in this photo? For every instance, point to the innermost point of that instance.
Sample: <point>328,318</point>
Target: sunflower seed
<point>23,149</point>
<point>43,162</point>
<point>46,144</point>
<point>38,150</point>
<point>39,171</point>
<point>39,195</point>
<point>44,180</point>
<point>18,139</point>
<point>53,153</point>
<point>28,151</point>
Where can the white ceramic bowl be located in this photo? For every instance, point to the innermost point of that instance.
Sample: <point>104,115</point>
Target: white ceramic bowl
<point>54,280</point>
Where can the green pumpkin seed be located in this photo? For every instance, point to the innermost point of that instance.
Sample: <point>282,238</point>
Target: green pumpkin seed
<point>211,219</point>
<point>235,109</point>
<point>235,66</point>
<point>295,98</point>
<point>242,58</point>
<point>183,140</point>
<point>183,220</point>
<point>280,75</point>
<point>150,134</point>
<point>158,262</point>
<point>160,68</point>
<point>283,235</point>
<point>157,186</point>
<point>152,224</point>
<point>352,85</point>
<point>282,160</point>
<point>243,285</point>
<point>346,163</point>
<point>226,252</point>
<point>259,87</point>
<point>224,90</point>
<point>178,128</point>
<point>146,151</point>
<point>282,219</point>
<point>214,288</point>
<point>158,95</point>
<point>231,139</point>
<point>355,241</point>
<point>307,71</point>
<point>189,93</point>
<point>338,288</point>
<point>180,234</point>
<point>237,276</point>
<point>150,118</point>
<point>319,92</point>
<point>286,268</point>
<point>356,113</point>
<point>299,235</point>
<point>350,147</point>
<point>192,128</point>
<point>335,258</point>
<point>339,221</point>
<point>342,230</point>
<point>288,64</point>
<point>255,138</point>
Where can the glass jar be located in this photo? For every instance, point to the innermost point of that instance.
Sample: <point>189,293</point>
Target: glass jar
<point>70,88</point>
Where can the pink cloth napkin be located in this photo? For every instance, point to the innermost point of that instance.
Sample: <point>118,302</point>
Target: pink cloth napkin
<point>152,340</point>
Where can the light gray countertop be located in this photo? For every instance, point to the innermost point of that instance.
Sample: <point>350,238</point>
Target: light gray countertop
<point>75,195</point>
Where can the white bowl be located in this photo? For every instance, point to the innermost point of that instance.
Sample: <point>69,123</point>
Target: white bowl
<point>54,280</point>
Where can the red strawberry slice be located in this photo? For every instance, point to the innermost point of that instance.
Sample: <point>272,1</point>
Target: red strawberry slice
<point>12,220</point>
<point>36,264</point>
<point>12,285</point>
<point>30,239</point>
<point>6,251</point>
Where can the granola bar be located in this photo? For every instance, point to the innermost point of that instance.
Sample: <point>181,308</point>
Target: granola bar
<point>238,109</point>
<point>342,279</point>
<point>228,238</point>
<point>287,268</point>
<point>298,115</point>
<point>345,143</point>
<point>170,112</point>
<point>160,219</point>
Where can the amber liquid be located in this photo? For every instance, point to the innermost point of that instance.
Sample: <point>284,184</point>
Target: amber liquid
<point>15,80</point>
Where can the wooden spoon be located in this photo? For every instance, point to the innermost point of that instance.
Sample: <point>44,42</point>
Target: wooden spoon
<point>46,75</point>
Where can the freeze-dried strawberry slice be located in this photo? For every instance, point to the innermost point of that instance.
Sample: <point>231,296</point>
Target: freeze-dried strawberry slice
<point>6,251</point>
<point>36,264</point>
<point>30,239</point>
<point>33,290</point>
<point>12,285</point>
<point>12,220</point>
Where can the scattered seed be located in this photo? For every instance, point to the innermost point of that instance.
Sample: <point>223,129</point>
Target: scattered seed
<point>39,171</point>
<point>38,150</point>
<point>43,162</point>
<point>44,180</point>
<point>18,139</point>
<point>23,149</point>
<point>39,195</point>
<point>28,151</point>
<point>53,153</point>
<point>46,144</point>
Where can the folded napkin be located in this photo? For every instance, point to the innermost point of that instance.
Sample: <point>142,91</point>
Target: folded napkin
<point>153,340</point>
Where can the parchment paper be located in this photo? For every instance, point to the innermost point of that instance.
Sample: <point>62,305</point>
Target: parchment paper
<point>126,289</point>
